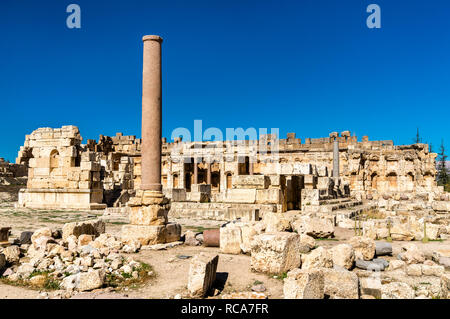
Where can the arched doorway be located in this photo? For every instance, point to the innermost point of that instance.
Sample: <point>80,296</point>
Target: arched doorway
<point>374,180</point>
<point>229,179</point>
<point>175,180</point>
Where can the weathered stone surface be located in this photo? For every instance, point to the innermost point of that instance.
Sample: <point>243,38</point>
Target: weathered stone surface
<point>24,270</point>
<point>38,281</point>
<point>401,232</point>
<point>445,286</point>
<point>245,295</point>
<point>340,284</point>
<point>230,239</point>
<point>434,270</point>
<point>314,227</point>
<point>411,254</point>
<point>370,286</point>
<point>369,265</point>
<point>89,227</point>
<point>414,270</point>
<point>383,248</point>
<point>364,247</point>
<point>84,239</point>
<point>190,238</point>
<point>146,235</point>
<point>382,262</point>
<point>441,206</point>
<point>444,261</point>
<point>397,290</point>
<point>42,232</point>
<point>12,254</point>
<point>173,232</point>
<point>307,242</point>
<point>343,255</point>
<point>202,274</point>
<point>149,215</point>
<point>25,237</point>
<point>277,222</point>
<point>319,257</point>
<point>248,232</point>
<point>396,264</point>
<point>84,281</point>
<point>304,284</point>
<point>2,263</point>
<point>275,253</point>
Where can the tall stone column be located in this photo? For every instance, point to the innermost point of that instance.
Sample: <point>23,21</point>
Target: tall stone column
<point>149,208</point>
<point>336,158</point>
<point>195,171</point>
<point>208,174</point>
<point>151,114</point>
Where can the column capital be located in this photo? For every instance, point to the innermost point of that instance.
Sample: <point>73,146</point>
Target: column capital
<point>152,38</point>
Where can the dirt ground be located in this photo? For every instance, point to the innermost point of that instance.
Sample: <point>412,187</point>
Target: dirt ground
<point>171,265</point>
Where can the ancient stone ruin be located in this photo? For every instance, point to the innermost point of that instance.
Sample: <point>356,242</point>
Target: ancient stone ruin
<point>332,217</point>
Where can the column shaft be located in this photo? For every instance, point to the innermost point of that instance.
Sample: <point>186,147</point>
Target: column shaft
<point>336,158</point>
<point>151,114</point>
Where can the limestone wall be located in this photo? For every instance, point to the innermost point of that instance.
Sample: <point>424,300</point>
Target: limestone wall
<point>62,173</point>
<point>369,169</point>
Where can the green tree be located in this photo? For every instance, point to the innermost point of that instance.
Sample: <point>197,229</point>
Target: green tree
<point>417,139</point>
<point>442,175</point>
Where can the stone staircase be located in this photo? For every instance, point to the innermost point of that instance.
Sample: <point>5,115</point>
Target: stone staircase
<point>217,211</point>
<point>343,210</point>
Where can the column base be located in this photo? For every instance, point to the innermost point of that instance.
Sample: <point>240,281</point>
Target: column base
<point>149,208</point>
<point>149,221</point>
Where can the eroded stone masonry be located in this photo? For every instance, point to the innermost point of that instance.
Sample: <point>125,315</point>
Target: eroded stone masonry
<point>212,179</point>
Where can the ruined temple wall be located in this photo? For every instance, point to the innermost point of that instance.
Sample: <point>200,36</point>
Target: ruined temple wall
<point>62,173</point>
<point>367,167</point>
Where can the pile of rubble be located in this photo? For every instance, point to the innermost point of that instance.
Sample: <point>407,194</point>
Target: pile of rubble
<point>284,245</point>
<point>81,257</point>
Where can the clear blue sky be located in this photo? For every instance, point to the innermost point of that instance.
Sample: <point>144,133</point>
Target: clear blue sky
<point>309,67</point>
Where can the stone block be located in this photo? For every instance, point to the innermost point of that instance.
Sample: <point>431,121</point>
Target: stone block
<point>318,258</point>
<point>243,196</point>
<point>275,253</point>
<point>88,227</point>
<point>314,227</point>
<point>340,284</point>
<point>397,290</point>
<point>148,215</point>
<point>250,181</point>
<point>370,286</point>
<point>304,284</point>
<point>277,222</point>
<point>173,232</point>
<point>343,255</point>
<point>230,239</point>
<point>202,274</point>
<point>146,235</point>
<point>364,247</point>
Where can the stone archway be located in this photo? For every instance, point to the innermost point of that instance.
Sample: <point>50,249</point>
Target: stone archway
<point>392,181</point>
<point>374,180</point>
<point>54,161</point>
<point>175,180</point>
<point>229,180</point>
